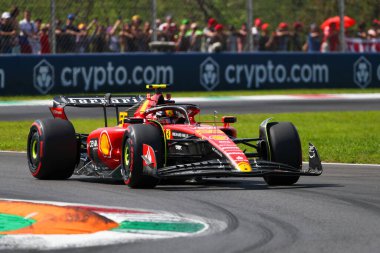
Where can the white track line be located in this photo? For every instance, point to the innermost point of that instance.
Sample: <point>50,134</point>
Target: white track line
<point>349,164</point>
<point>26,103</point>
<point>14,152</point>
<point>354,164</point>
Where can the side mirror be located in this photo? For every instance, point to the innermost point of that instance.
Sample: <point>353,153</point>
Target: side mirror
<point>229,119</point>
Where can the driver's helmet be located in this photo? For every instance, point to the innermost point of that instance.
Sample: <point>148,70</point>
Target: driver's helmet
<point>169,113</point>
<point>166,116</point>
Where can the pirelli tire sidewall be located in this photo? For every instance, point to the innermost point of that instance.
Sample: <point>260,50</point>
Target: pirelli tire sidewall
<point>134,138</point>
<point>52,149</point>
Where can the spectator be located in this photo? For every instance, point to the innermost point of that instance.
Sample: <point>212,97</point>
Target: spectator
<point>28,35</point>
<point>219,40</point>
<point>158,23</point>
<point>331,39</point>
<point>232,39</point>
<point>136,21</point>
<point>371,34</point>
<point>126,39</point>
<point>195,37</point>
<point>113,37</point>
<point>141,39</point>
<point>168,29</point>
<point>256,33</point>
<point>376,26</point>
<point>83,40</point>
<point>38,24</point>
<point>361,34</point>
<point>44,39</point>
<point>374,46</point>
<point>14,20</point>
<point>69,34</point>
<point>209,33</point>
<point>280,39</point>
<point>59,36</point>
<point>297,37</point>
<point>160,35</point>
<point>325,45</point>
<point>264,37</point>
<point>7,33</point>
<point>183,41</point>
<point>186,22</point>
<point>146,37</point>
<point>243,45</point>
<point>99,42</point>
<point>313,40</point>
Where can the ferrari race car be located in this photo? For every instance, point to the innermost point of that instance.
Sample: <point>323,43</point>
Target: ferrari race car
<point>157,139</point>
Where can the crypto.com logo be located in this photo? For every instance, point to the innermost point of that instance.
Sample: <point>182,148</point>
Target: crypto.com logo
<point>362,72</point>
<point>43,76</point>
<point>209,74</point>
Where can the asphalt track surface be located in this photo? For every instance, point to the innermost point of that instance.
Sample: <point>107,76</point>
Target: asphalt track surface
<point>336,212</point>
<point>11,113</point>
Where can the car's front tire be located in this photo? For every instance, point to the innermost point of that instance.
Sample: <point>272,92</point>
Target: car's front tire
<point>135,137</point>
<point>285,147</point>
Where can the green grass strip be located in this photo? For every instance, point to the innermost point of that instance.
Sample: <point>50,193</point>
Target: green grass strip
<point>348,137</point>
<point>180,227</point>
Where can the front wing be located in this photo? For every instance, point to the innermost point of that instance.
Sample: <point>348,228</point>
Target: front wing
<point>222,168</point>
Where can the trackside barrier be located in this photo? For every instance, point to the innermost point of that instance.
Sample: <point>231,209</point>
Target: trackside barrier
<point>186,72</point>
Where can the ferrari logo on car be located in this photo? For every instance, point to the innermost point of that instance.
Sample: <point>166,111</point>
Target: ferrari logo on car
<point>168,134</point>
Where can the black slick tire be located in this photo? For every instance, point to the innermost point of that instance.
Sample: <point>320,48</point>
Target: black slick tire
<point>132,162</point>
<point>52,149</point>
<point>285,147</point>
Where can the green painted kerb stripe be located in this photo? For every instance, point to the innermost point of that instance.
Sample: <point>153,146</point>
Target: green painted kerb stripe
<point>10,222</point>
<point>181,227</point>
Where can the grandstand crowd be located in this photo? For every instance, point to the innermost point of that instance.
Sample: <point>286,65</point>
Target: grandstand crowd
<point>20,33</point>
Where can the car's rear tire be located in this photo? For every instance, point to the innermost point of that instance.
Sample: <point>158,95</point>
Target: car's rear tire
<point>132,162</point>
<point>285,147</point>
<point>52,149</point>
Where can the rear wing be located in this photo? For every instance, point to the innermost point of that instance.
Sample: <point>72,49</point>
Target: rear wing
<point>60,102</point>
<point>98,101</point>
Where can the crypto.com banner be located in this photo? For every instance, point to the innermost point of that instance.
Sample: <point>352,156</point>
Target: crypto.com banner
<point>100,73</point>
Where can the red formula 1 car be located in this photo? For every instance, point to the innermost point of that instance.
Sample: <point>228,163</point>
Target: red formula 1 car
<point>156,138</point>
